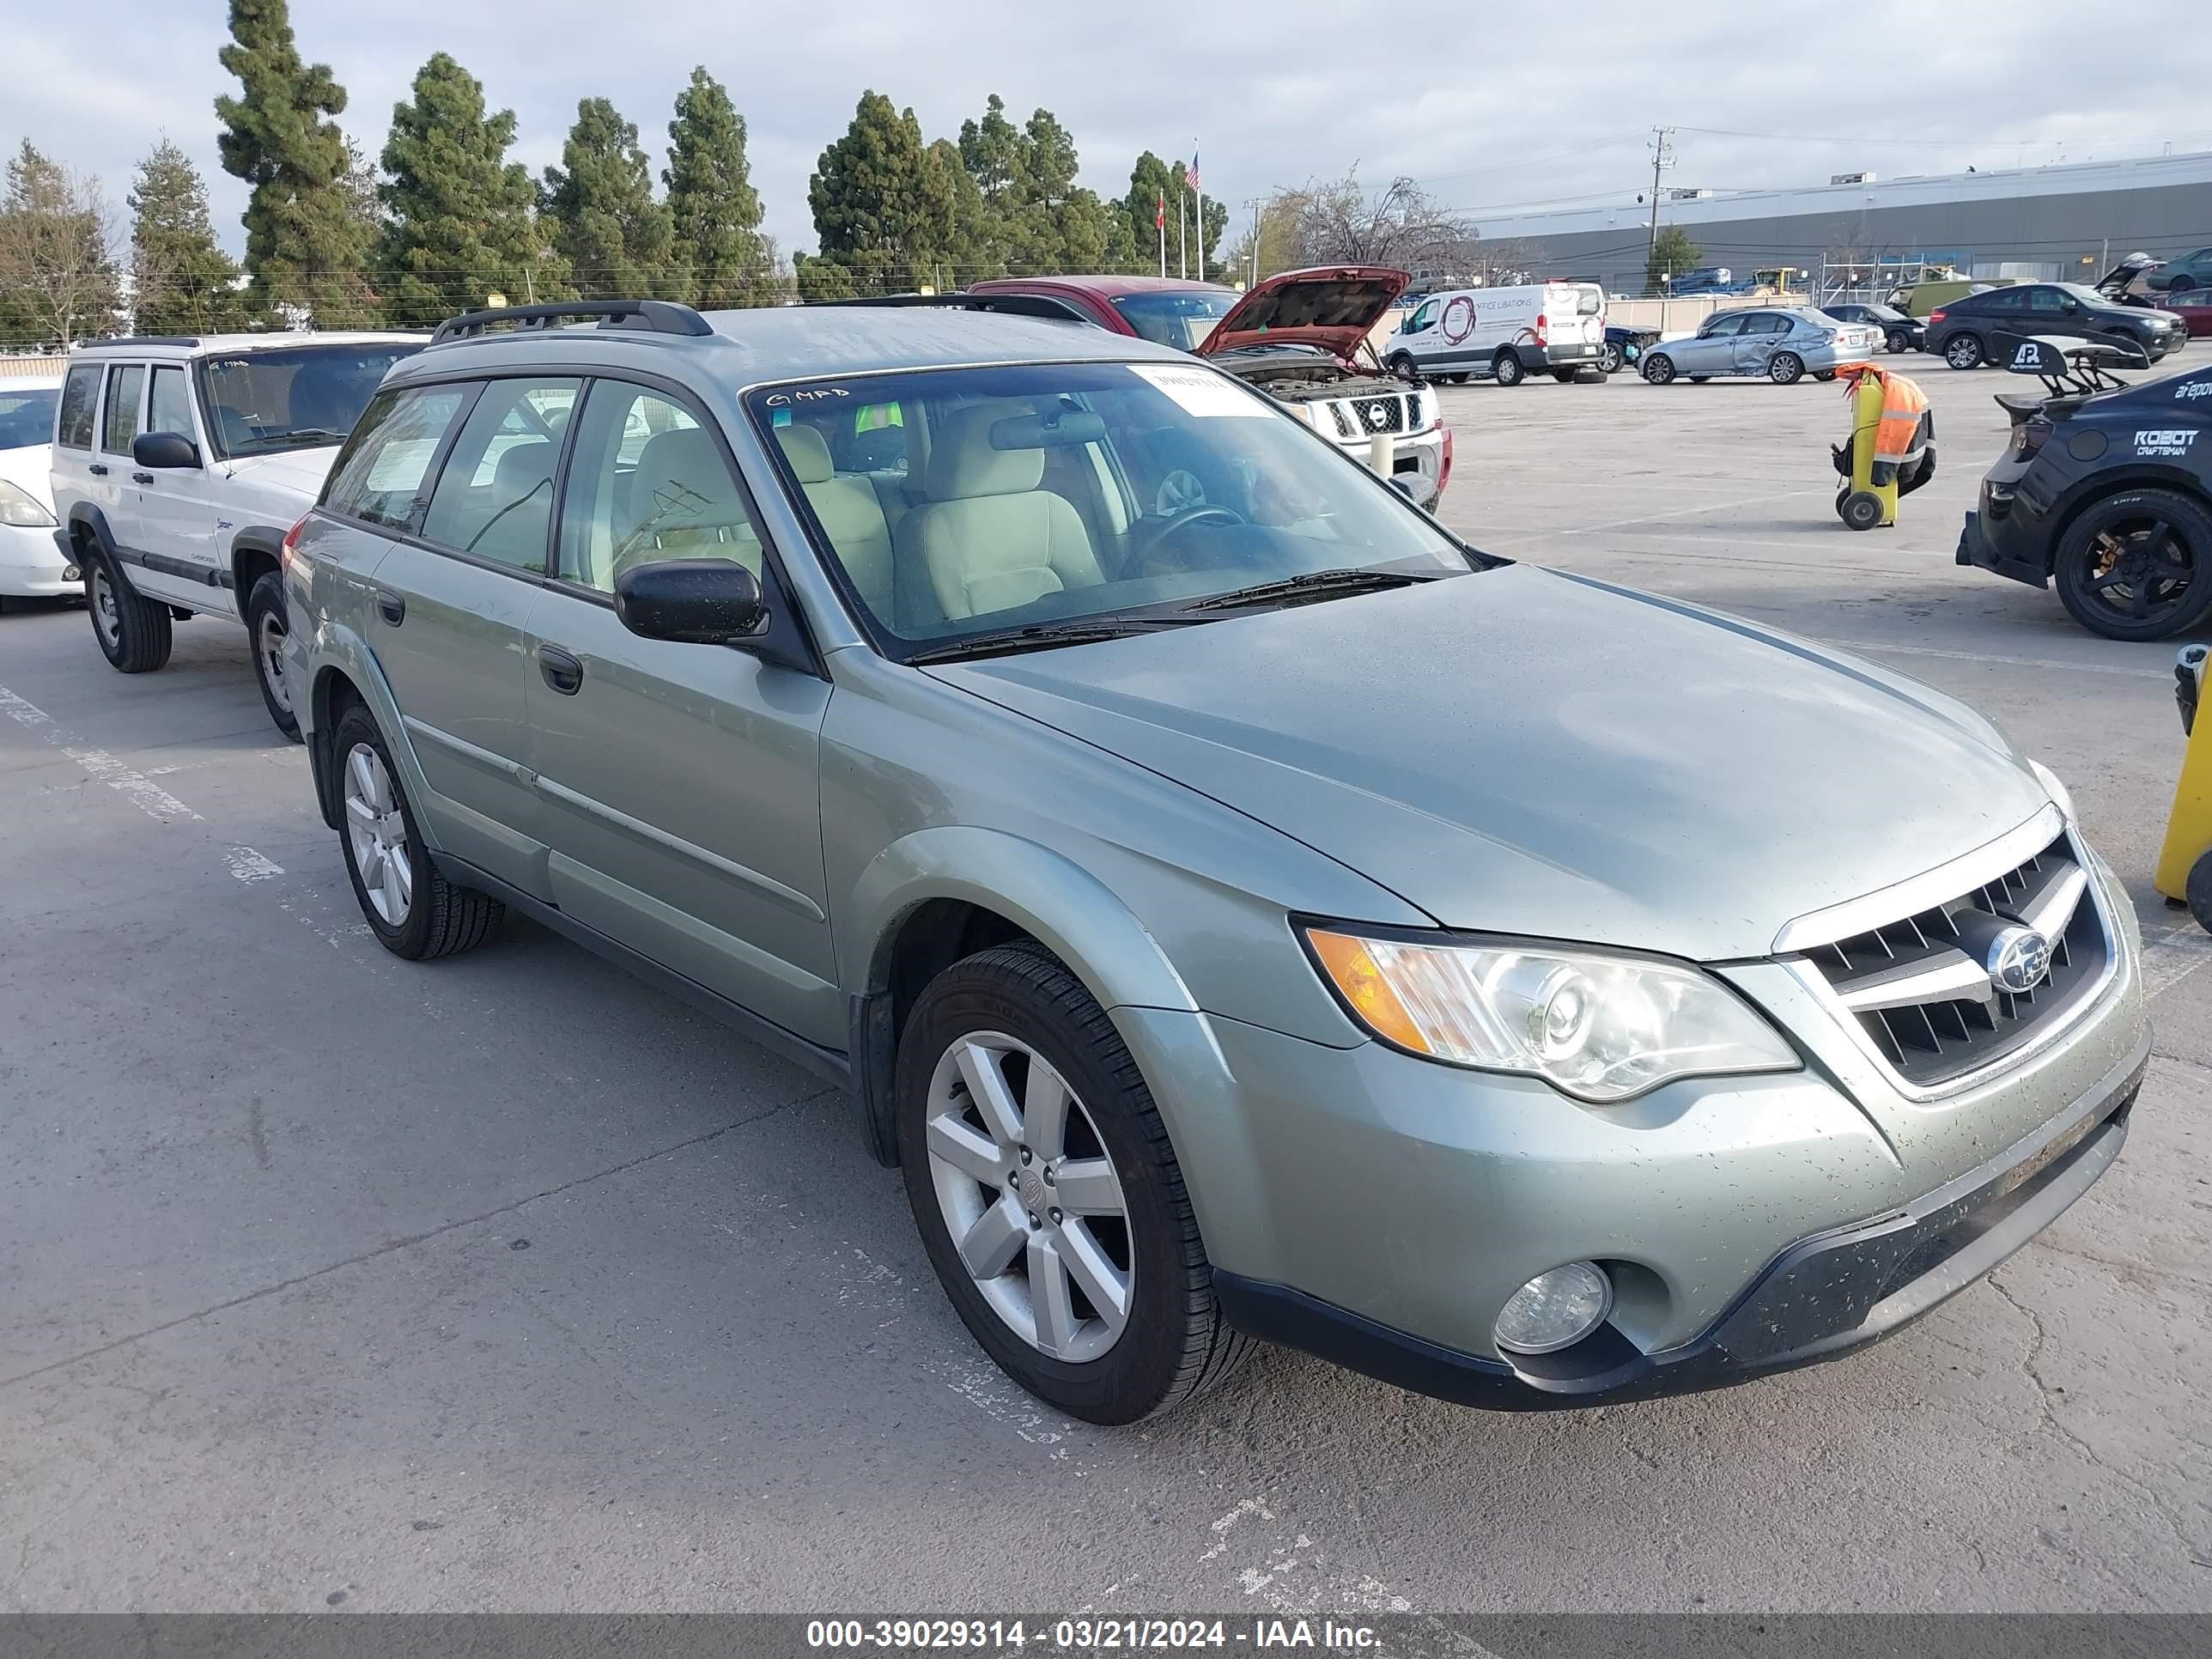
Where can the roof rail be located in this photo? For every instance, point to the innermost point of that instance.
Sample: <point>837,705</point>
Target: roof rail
<point>140,340</point>
<point>1011,305</point>
<point>657,316</point>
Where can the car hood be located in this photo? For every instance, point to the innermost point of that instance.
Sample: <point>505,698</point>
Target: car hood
<point>29,467</point>
<point>1332,306</point>
<point>298,473</point>
<point>1520,752</point>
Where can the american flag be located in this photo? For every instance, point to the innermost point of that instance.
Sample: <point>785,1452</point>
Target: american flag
<point>1190,173</point>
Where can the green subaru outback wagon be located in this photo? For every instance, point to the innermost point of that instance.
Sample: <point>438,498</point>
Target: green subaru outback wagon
<point>1239,909</point>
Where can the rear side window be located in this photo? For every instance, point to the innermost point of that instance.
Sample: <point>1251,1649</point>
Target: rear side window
<point>495,494</point>
<point>126,384</point>
<point>382,475</point>
<point>80,402</point>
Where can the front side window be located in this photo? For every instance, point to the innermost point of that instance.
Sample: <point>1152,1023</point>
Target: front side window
<point>1426,317</point>
<point>80,404</point>
<point>294,397</point>
<point>27,415</point>
<point>381,475</point>
<point>495,496</point>
<point>1722,327</point>
<point>1180,318</point>
<point>1063,492</point>
<point>647,483</point>
<point>126,385</point>
<point>169,403</point>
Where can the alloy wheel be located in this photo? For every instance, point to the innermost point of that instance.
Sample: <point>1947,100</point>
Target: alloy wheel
<point>376,830</point>
<point>1029,1196</point>
<point>2141,573</point>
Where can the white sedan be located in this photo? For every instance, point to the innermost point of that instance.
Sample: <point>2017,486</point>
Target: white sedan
<point>32,565</point>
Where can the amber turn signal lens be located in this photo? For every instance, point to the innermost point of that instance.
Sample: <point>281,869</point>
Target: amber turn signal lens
<point>1353,972</point>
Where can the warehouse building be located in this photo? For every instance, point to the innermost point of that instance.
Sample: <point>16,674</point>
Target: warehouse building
<point>2062,222</point>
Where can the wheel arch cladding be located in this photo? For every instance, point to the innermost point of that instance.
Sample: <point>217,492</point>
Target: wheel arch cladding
<point>339,654</point>
<point>254,551</point>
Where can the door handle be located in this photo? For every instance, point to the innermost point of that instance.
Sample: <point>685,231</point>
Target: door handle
<point>563,671</point>
<point>142,477</point>
<point>98,470</point>
<point>391,608</point>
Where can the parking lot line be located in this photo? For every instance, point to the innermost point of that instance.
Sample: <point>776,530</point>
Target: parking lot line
<point>134,786</point>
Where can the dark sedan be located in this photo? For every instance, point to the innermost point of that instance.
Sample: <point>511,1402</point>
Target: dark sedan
<point>1900,332</point>
<point>1960,332</point>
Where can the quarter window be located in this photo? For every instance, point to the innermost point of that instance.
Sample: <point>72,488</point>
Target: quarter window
<point>495,496</point>
<point>126,384</point>
<point>80,404</point>
<point>647,483</point>
<point>382,476</point>
<point>169,404</point>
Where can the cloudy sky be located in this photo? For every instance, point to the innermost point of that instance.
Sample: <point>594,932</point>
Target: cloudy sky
<point>1494,106</point>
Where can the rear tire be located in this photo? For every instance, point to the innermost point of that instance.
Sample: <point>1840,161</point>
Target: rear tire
<point>1964,351</point>
<point>2157,544</point>
<point>1505,369</point>
<point>1898,340</point>
<point>1785,368</point>
<point>133,632</point>
<point>267,626</point>
<point>414,911</point>
<point>1658,368</point>
<point>2181,285</point>
<point>1010,1018</point>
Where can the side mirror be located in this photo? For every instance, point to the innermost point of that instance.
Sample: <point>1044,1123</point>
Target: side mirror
<point>164,449</point>
<point>696,601</point>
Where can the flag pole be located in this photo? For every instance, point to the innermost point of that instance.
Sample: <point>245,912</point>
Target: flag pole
<point>1160,225</point>
<point>1198,189</point>
<point>1182,234</point>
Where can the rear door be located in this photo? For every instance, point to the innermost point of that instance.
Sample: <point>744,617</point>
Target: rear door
<point>681,782</point>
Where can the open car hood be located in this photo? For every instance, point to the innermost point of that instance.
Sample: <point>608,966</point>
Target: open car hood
<point>1332,306</point>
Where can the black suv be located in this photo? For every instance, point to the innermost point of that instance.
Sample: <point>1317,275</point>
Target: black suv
<point>1899,332</point>
<point>1961,332</point>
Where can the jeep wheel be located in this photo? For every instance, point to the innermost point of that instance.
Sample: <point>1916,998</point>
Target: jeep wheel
<point>413,910</point>
<point>2137,566</point>
<point>1505,367</point>
<point>1658,368</point>
<point>1047,1194</point>
<point>265,625</point>
<point>133,633</point>
<point>1963,351</point>
<point>1785,368</point>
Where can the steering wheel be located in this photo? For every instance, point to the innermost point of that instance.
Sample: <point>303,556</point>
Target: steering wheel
<point>1149,541</point>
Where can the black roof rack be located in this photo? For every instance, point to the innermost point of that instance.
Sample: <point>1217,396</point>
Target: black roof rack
<point>141,340</point>
<point>1012,305</point>
<point>656,316</point>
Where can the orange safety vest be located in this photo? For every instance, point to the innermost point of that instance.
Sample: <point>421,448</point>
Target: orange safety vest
<point>1906,423</point>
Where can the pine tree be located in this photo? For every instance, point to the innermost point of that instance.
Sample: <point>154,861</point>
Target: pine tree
<point>181,282</point>
<point>714,212</point>
<point>618,241</point>
<point>883,206</point>
<point>305,247</point>
<point>1672,253</point>
<point>1152,184</point>
<point>57,280</point>
<point>459,226</point>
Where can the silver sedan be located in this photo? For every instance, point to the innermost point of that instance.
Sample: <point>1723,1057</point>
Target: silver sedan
<point>1783,345</point>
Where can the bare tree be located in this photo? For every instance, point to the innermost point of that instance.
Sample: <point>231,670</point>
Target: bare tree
<point>1339,222</point>
<point>57,267</point>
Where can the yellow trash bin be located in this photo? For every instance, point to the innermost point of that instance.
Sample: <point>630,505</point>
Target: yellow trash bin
<point>2185,864</point>
<point>1891,451</point>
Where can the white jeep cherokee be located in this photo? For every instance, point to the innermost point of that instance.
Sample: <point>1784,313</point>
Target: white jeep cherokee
<point>180,464</point>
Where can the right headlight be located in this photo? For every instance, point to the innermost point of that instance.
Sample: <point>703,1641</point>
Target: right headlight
<point>1600,1028</point>
<point>18,507</point>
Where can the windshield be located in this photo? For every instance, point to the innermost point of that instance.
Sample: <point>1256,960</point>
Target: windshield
<point>1051,493</point>
<point>302,397</point>
<point>1179,318</point>
<point>27,415</point>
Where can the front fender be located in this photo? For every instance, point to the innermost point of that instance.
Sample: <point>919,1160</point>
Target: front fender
<point>1069,910</point>
<point>336,650</point>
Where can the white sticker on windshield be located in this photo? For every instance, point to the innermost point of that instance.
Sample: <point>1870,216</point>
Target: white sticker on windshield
<point>1200,391</point>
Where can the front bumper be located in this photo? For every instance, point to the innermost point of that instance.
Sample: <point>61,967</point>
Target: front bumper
<point>1418,458</point>
<point>32,566</point>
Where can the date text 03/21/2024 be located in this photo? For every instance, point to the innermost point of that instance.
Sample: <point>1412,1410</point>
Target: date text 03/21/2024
<point>1087,1634</point>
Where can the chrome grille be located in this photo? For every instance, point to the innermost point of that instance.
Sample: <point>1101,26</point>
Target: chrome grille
<point>1385,413</point>
<point>1920,988</point>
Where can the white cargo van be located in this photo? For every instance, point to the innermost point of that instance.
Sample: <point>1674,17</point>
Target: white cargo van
<point>1502,333</point>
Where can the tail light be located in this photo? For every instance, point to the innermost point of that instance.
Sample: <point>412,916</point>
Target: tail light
<point>1933,318</point>
<point>284,553</point>
<point>1542,324</point>
<point>1443,467</point>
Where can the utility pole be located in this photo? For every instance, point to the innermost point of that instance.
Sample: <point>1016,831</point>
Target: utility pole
<point>1663,157</point>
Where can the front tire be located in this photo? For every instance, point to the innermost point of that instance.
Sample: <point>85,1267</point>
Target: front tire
<point>1658,368</point>
<point>414,911</point>
<point>2137,566</point>
<point>1505,369</point>
<point>1785,368</point>
<point>134,633</point>
<point>1047,1194</point>
<point>268,627</point>
<point>1964,351</point>
<point>1609,358</point>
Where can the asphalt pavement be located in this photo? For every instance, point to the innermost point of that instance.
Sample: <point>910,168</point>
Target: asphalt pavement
<point>329,1280</point>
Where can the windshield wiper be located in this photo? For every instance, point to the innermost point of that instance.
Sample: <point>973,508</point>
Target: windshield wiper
<point>297,435</point>
<point>1314,585</point>
<point>1042,636</point>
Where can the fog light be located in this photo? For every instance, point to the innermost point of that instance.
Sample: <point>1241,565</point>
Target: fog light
<point>1555,1310</point>
<point>71,573</point>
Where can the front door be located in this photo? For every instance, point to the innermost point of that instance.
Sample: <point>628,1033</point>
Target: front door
<point>1762,333</point>
<point>680,782</point>
<point>178,523</point>
<point>109,485</point>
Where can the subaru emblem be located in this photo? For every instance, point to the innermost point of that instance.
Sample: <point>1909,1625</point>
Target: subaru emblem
<point>2018,960</point>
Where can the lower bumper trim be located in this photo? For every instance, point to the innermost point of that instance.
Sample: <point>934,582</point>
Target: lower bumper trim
<point>1820,1298</point>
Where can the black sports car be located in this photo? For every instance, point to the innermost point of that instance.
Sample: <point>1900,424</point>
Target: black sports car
<point>2105,489</point>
